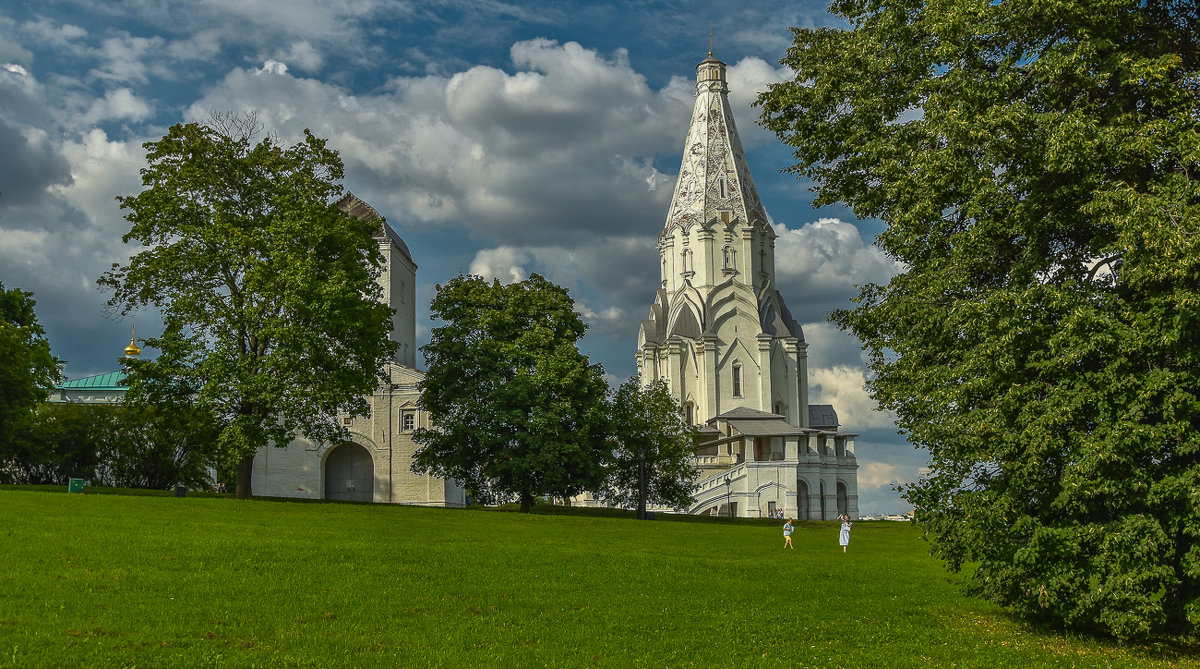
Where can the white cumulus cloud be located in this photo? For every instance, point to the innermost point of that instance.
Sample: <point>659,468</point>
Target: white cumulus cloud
<point>119,104</point>
<point>844,387</point>
<point>506,264</point>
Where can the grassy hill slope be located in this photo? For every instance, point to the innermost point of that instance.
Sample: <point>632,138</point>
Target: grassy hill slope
<point>112,580</point>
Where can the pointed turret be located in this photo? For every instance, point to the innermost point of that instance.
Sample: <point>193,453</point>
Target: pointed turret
<point>715,196</point>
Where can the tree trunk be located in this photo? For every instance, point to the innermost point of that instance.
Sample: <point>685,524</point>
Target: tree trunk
<point>245,468</point>
<point>526,502</point>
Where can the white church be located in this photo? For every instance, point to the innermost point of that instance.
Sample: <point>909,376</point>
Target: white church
<point>718,332</point>
<point>722,338</point>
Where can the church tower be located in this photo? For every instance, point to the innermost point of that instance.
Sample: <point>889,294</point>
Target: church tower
<point>721,336</point>
<point>373,465</point>
<point>397,278</point>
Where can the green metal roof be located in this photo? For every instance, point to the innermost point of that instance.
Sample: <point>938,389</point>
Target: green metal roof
<point>109,381</point>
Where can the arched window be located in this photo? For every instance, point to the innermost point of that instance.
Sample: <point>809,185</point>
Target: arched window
<point>842,499</point>
<point>801,499</point>
<point>689,413</point>
<point>737,380</point>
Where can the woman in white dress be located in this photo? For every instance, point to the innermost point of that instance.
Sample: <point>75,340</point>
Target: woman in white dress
<point>844,537</point>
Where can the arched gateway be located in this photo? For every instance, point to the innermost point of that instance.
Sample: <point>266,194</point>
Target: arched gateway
<point>350,474</point>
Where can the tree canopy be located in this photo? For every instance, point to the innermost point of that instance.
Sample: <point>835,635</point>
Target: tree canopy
<point>111,445</point>
<point>268,291</point>
<point>518,409</point>
<point>652,447</point>
<point>1036,167</point>
<point>27,368</point>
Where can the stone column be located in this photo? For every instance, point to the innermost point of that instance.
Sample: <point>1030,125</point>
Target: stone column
<point>802,382</point>
<point>707,273</point>
<point>791,380</point>
<point>666,250</point>
<point>674,366</point>
<point>764,372</point>
<point>749,256</point>
<point>708,378</point>
<point>829,477</point>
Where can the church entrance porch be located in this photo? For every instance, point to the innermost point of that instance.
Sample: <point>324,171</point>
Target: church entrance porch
<point>350,474</point>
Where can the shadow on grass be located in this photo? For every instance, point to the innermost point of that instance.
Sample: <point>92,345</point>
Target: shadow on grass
<point>104,490</point>
<point>542,509</point>
<point>1172,649</point>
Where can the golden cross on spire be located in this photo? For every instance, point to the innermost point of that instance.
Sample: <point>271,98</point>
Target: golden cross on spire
<point>132,349</point>
<point>710,37</point>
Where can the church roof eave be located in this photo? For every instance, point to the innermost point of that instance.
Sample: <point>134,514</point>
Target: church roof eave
<point>351,204</point>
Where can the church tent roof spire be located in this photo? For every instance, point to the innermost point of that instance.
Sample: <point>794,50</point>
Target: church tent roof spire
<point>714,180</point>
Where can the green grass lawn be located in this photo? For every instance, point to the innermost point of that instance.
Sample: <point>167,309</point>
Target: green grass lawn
<point>156,581</point>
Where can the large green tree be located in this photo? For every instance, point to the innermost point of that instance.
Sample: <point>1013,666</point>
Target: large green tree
<point>1036,166</point>
<point>272,322</point>
<point>653,449</point>
<point>518,409</point>
<point>59,441</point>
<point>112,445</point>
<point>159,445</point>
<point>27,369</point>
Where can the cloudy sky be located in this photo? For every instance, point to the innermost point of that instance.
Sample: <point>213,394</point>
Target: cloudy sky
<point>498,139</point>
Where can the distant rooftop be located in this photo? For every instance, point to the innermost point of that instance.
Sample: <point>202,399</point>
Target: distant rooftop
<point>748,413</point>
<point>351,204</point>
<point>822,417</point>
<point>107,381</point>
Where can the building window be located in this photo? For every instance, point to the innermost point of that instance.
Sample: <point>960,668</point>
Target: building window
<point>689,413</point>
<point>408,421</point>
<point>346,420</point>
<point>737,380</point>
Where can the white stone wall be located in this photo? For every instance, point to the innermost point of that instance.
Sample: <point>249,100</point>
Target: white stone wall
<point>298,469</point>
<point>399,281</point>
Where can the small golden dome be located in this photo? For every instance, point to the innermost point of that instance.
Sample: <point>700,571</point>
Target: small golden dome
<point>132,349</point>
